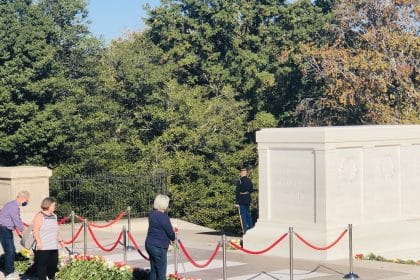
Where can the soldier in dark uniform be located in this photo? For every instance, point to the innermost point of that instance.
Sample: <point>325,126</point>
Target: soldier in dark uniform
<point>244,188</point>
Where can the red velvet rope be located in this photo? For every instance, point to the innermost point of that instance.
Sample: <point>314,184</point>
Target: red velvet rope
<point>79,218</point>
<point>18,233</point>
<point>63,220</point>
<point>102,247</point>
<point>192,261</point>
<point>321,248</point>
<point>74,237</point>
<point>122,214</point>
<point>136,246</point>
<point>262,251</point>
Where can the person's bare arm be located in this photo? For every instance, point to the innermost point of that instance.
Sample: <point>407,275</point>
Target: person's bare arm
<point>36,226</point>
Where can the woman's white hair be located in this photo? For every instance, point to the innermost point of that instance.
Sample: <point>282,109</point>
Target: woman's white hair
<point>161,202</point>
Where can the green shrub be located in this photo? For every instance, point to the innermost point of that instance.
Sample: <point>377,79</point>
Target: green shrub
<point>93,268</point>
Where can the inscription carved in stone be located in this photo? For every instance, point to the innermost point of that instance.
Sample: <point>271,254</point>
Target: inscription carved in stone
<point>292,189</point>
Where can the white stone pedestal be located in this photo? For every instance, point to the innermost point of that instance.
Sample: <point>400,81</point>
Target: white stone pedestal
<point>318,180</point>
<point>33,179</point>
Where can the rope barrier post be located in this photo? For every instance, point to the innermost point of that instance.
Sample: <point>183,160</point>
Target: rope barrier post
<point>224,257</point>
<point>291,252</point>
<point>129,247</point>
<point>72,230</point>
<point>176,254</point>
<point>124,233</point>
<point>85,228</point>
<point>351,274</point>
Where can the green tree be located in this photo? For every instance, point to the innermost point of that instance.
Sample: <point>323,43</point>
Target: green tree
<point>239,53</point>
<point>24,56</point>
<point>46,57</point>
<point>325,5</point>
<point>197,137</point>
<point>202,146</point>
<point>242,44</point>
<point>368,74</point>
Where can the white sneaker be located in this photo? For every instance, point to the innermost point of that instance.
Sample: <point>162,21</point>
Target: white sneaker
<point>13,275</point>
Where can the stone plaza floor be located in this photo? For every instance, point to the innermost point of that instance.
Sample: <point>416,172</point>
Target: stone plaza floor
<point>200,243</point>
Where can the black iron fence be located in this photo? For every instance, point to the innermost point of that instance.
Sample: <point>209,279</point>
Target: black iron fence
<point>102,197</point>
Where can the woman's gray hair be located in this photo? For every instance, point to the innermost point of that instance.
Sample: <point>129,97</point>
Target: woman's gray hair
<point>24,194</point>
<point>161,202</point>
<point>46,203</point>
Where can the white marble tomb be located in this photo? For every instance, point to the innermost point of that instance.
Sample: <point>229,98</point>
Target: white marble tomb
<point>320,179</point>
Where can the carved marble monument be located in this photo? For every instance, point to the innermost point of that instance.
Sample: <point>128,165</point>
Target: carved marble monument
<point>318,180</point>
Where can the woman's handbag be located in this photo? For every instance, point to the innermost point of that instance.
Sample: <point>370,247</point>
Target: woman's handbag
<point>28,240</point>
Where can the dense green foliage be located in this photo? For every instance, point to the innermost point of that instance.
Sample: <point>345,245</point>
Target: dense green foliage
<point>187,94</point>
<point>239,44</point>
<point>368,73</point>
<point>46,72</point>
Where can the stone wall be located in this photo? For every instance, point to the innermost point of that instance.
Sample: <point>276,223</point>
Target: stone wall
<point>31,178</point>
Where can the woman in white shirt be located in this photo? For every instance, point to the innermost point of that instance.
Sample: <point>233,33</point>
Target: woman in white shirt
<point>47,236</point>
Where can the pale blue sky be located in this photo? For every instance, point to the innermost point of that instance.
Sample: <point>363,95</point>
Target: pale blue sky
<point>111,18</point>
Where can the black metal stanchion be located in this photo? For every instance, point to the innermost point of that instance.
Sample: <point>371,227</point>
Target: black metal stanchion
<point>124,235</point>
<point>224,257</point>
<point>72,230</point>
<point>291,253</point>
<point>85,227</point>
<point>351,274</point>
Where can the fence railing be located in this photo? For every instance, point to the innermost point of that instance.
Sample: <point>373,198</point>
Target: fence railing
<point>99,197</point>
